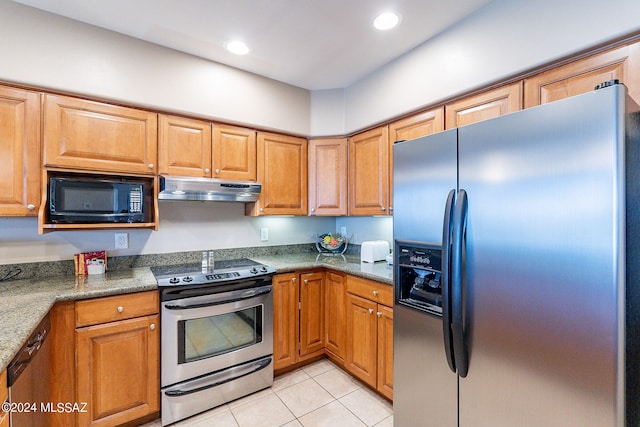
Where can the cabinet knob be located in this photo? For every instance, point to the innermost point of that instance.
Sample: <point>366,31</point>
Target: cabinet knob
<point>313,209</point>
<point>390,208</point>
<point>375,293</point>
<point>371,311</point>
<point>217,170</point>
<point>293,279</point>
<point>120,309</point>
<point>261,209</point>
<point>151,165</point>
<point>379,314</point>
<point>153,326</point>
<point>306,281</point>
<point>383,208</point>
<point>31,207</point>
<point>207,170</point>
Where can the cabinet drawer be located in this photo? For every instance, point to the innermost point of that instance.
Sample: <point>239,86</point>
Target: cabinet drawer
<point>109,309</point>
<point>370,290</point>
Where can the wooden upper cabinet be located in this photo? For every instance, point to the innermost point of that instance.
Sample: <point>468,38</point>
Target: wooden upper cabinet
<point>484,106</point>
<point>328,177</point>
<point>369,172</point>
<point>282,170</point>
<point>184,146</point>
<point>234,153</point>
<point>583,75</point>
<point>20,148</point>
<point>89,135</point>
<point>416,126</point>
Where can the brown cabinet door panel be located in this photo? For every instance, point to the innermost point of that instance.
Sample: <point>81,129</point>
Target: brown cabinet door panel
<point>285,319</point>
<point>20,148</point>
<point>335,313</point>
<point>361,357</point>
<point>583,75</point>
<point>369,172</point>
<point>484,106</point>
<point>385,351</point>
<point>118,371</point>
<point>328,177</point>
<point>184,146</point>
<point>234,153</point>
<point>311,313</point>
<point>95,136</point>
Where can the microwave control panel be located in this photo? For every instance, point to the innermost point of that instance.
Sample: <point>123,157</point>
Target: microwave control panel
<point>135,199</point>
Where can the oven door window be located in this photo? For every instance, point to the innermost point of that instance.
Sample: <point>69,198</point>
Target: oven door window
<point>218,334</point>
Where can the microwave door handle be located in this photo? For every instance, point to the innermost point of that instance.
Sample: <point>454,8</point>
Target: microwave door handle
<point>447,230</point>
<point>245,296</point>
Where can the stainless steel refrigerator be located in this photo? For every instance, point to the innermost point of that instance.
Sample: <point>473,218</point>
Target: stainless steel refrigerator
<point>516,269</point>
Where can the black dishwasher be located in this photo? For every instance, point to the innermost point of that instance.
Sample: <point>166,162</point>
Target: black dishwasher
<point>28,379</point>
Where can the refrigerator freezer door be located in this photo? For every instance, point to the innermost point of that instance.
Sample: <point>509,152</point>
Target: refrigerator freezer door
<point>425,390</point>
<point>423,174</point>
<point>544,265</point>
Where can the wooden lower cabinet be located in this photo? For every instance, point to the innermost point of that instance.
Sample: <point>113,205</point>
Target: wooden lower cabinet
<point>362,342</point>
<point>369,337</point>
<point>118,359</point>
<point>4,416</point>
<point>298,317</point>
<point>118,371</point>
<point>335,314</point>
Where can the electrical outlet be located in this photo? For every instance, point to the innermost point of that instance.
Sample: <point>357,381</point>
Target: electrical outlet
<point>264,234</point>
<point>343,230</point>
<point>122,241</point>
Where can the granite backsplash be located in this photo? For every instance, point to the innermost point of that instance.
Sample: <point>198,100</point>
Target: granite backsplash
<point>42,270</point>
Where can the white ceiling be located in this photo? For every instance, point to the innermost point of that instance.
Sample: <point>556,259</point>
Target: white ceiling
<point>313,44</point>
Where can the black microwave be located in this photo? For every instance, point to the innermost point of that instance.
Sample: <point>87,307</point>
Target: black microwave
<point>89,199</point>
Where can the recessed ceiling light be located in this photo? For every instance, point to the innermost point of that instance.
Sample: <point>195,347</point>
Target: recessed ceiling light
<point>237,47</point>
<point>386,21</point>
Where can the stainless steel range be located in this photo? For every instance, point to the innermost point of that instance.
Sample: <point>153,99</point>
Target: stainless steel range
<point>217,334</point>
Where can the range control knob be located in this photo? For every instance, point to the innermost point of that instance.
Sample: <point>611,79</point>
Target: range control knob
<point>263,269</point>
<point>187,279</point>
<point>254,270</point>
<point>174,280</point>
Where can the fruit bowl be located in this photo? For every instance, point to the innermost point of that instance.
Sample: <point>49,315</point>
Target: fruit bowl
<point>334,243</point>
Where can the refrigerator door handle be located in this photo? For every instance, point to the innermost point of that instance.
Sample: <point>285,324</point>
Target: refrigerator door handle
<point>460,351</point>
<point>446,279</point>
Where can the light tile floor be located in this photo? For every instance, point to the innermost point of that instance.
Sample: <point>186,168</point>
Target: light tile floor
<point>317,395</point>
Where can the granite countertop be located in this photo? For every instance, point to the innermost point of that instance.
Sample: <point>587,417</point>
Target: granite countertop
<point>378,271</point>
<point>25,302</point>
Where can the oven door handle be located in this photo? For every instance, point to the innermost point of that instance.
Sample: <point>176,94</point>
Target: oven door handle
<point>245,295</point>
<point>233,373</point>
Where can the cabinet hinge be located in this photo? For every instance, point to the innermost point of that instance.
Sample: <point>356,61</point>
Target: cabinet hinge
<point>299,346</point>
<point>299,305</point>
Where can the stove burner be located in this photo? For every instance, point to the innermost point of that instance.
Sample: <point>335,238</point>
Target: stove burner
<point>223,271</point>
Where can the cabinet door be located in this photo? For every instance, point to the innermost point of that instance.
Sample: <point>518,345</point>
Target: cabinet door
<point>184,146</point>
<point>416,126</point>
<point>234,153</point>
<point>484,106</point>
<point>328,177</point>
<point>89,135</point>
<point>583,75</point>
<point>285,320</point>
<point>20,148</point>
<point>118,371</point>
<point>282,170</point>
<point>369,172</point>
<point>4,416</point>
<point>361,354</point>
<point>311,313</point>
<point>385,351</point>
<point>335,313</point>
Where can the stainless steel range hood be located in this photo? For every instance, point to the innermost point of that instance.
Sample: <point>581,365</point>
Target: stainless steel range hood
<point>208,189</point>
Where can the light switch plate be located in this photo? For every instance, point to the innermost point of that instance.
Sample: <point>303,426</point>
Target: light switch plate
<point>264,234</point>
